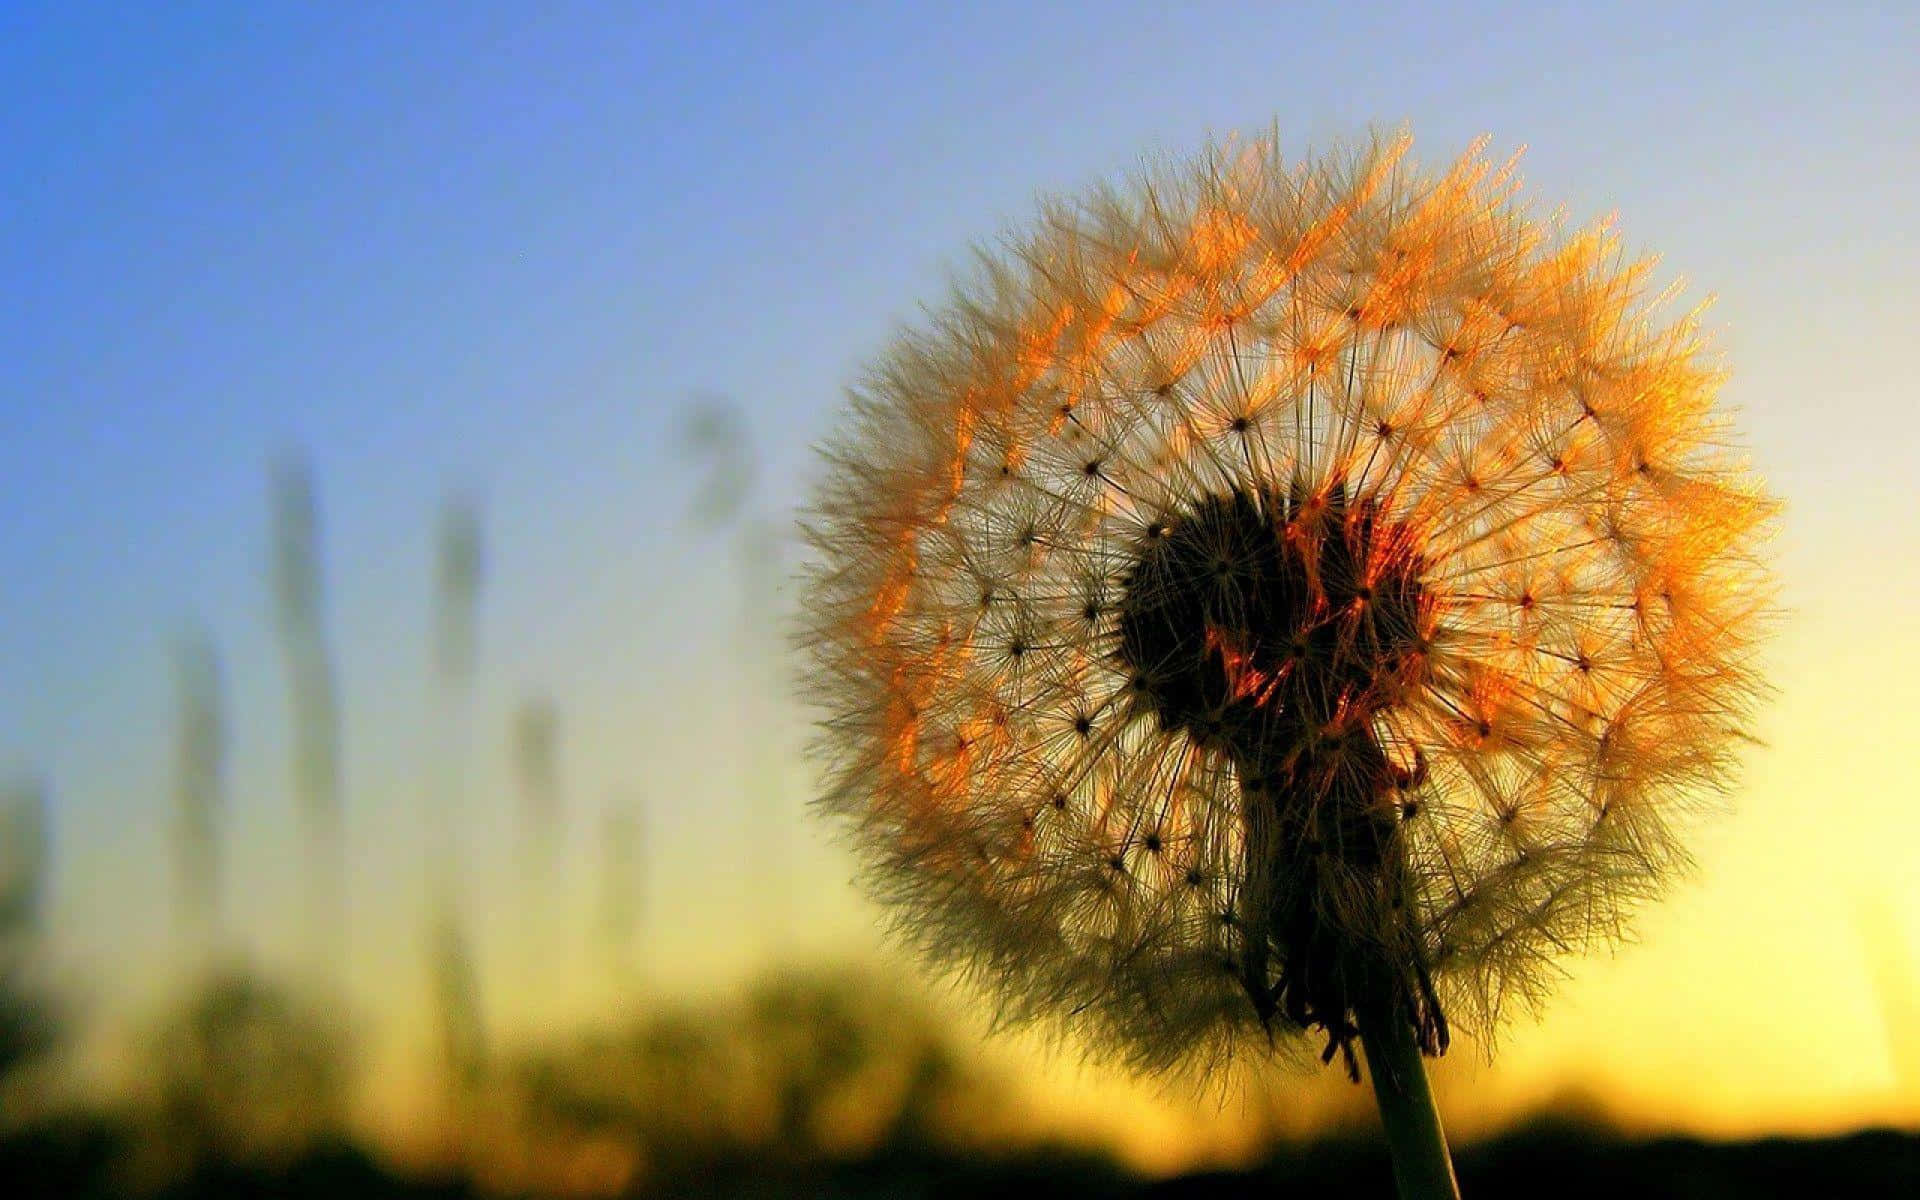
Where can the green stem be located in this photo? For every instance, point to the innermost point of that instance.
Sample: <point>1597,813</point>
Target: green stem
<point>1422,1168</point>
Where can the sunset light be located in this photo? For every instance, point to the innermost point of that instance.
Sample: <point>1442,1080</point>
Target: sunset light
<point>909,600</point>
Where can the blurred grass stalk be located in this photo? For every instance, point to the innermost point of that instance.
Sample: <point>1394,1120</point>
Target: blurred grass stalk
<point>621,848</point>
<point>300,606</point>
<point>715,431</point>
<point>26,1026</point>
<point>456,598</point>
<point>199,802</point>
<point>24,860</point>
<point>536,748</point>
<point>1896,986</point>
<point>536,753</point>
<point>454,979</point>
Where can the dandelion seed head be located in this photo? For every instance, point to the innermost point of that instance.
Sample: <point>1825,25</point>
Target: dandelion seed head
<point>1275,583</point>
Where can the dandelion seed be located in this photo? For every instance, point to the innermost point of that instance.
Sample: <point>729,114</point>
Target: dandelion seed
<point>1427,593</point>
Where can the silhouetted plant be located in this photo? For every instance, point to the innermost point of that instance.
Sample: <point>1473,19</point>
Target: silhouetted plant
<point>622,882</point>
<point>300,606</point>
<point>245,1070</point>
<point>459,572</point>
<point>1282,598</point>
<point>536,761</point>
<point>458,575</point>
<point>454,980</point>
<point>456,1004</point>
<point>803,1069</point>
<point>729,498</point>
<point>199,800</point>
<point>27,1025</point>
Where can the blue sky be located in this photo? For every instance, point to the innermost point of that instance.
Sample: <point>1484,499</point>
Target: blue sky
<point>497,248</point>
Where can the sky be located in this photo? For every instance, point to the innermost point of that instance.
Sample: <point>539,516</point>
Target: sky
<point>498,251</point>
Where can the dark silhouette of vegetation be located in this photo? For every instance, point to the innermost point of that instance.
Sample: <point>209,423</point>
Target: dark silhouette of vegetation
<point>804,1069</point>
<point>814,1082</point>
<point>84,1157</point>
<point>1567,1158</point>
<point>300,612</point>
<point>199,787</point>
<point>244,1072</point>
<point>26,1019</point>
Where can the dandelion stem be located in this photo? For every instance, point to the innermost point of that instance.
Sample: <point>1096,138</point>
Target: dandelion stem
<point>1422,1167</point>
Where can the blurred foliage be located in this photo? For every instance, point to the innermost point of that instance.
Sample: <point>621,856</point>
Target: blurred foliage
<point>809,1083</point>
<point>821,1082</point>
<point>244,1070</point>
<point>805,1067</point>
<point>456,1006</point>
<point>27,1026</point>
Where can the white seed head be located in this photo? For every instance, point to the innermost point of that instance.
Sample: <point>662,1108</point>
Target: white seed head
<point>1265,561</point>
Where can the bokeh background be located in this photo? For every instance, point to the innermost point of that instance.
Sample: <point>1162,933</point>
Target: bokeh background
<point>403,411</point>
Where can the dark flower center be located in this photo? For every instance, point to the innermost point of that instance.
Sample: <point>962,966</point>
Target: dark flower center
<point>1277,629</point>
<point>1263,624</point>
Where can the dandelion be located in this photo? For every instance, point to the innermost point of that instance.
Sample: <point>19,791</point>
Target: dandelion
<point>1276,601</point>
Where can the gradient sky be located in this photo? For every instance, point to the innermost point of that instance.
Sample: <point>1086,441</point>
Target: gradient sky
<point>499,247</point>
